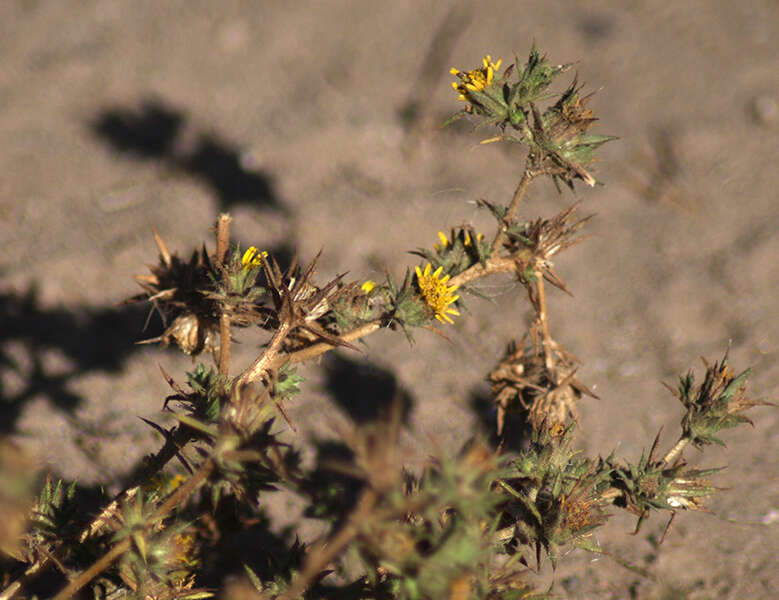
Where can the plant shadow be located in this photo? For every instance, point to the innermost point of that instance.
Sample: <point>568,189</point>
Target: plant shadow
<point>364,390</point>
<point>42,349</point>
<point>517,431</point>
<point>154,131</point>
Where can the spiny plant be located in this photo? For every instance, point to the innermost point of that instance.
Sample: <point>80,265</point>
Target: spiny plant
<point>471,525</point>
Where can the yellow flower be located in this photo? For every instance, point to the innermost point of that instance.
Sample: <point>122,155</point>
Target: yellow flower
<point>477,79</point>
<point>251,258</point>
<point>368,286</point>
<point>444,242</point>
<point>479,238</point>
<point>184,550</point>
<point>437,295</point>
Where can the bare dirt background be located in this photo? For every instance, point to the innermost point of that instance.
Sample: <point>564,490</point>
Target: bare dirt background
<point>119,116</point>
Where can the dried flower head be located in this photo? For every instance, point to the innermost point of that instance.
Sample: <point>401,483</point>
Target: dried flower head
<point>546,396</point>
<point>437,295</point>
<point>717,403</point>
<point>176,289</point>
<point>533,244</point>
<point>561,133</point>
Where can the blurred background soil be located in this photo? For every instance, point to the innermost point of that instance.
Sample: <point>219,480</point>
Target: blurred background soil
<point>317,126</point>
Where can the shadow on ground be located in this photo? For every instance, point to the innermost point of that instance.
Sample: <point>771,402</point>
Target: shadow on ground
<point>43,349</point>
<point>363,390</point>
<point>154,131</point>
<point>516,429</point>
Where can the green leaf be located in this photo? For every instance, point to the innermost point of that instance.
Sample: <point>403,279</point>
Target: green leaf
<point>735,385</point>
<point>193,423</point>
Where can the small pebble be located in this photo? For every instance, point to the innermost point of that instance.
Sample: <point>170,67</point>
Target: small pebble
<point>765,110</point>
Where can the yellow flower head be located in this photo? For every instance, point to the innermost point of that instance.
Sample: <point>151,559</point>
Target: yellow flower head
<point>184,550</point>
<point>477,79</point>
<point>252,258</point>
<point>368,286</point>
<point>437,295</point>
<point>444,242</point>
<point>468,242</point>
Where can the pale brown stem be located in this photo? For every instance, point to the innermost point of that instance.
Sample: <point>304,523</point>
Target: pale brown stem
<point>224,344</point>
<point>222,247</point>
<point>519,194</point>
<point>268,359</point>
<point>223,237</point>
<point>493,265</point>
<point>544,321</point>
<point>123,546</point>
<point>322,347</point>
<point>674,452</point>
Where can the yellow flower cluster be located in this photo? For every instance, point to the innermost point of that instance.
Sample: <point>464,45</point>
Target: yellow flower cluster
<point>252,258</point>
<point>477,79</point>
<point>445,243</point>
<point>437,295</point>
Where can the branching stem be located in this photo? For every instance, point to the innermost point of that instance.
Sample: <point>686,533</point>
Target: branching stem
<point>124,545</point>
<point>269,358</point>
<point>519,194</point>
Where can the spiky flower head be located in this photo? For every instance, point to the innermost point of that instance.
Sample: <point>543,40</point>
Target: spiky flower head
<point>477,79</point>
<point>716,404</point>
<point>447,243</point>
<point>437,295</point>
<point>480,89</point>
<point>457,252</point>
<point>243,291</point>
<point>561,132</point>
<point>179,290</point>
<point>557,137</point>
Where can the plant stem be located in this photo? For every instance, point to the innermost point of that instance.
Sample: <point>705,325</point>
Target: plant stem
<point>222,237</point>
<point>224,344</point>
<point>319,557</point>
<point>676,450</point>
<point>269,358</point>
<point>222,247</point>
<point>519,194</point>
<point>543,319</point>
<point>123,546</point>
<point>97,567</point>
<point>493,266</point>
<point>322,347</point>
<point>173,444</point>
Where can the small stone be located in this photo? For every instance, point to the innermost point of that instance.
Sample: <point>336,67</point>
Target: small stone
<point>765,110</point>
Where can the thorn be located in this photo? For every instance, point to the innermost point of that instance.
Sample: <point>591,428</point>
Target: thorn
<point>164,252</point>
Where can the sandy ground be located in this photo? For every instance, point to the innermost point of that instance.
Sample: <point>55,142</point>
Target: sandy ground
<point>119,116</point>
